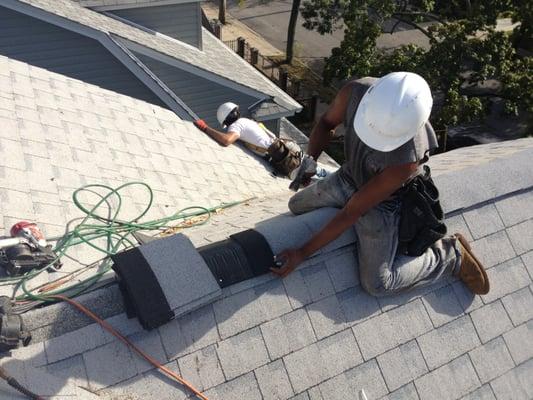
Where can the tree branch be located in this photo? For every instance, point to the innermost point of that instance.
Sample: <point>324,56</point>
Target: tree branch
<point>483,93</point>
<point>413,24</point>
<point>395,26</point>
<point>422,13</point>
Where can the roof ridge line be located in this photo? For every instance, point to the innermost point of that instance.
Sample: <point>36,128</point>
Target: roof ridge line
<point>152,76</point>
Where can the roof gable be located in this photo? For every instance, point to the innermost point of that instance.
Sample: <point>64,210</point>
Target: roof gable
<point>59,50</point>
<point>201,95</point>
<point>228,65</point>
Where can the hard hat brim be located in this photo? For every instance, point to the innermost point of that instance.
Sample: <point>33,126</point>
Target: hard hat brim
<point>375,139</point>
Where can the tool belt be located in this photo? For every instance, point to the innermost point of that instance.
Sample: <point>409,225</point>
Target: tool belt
<point>256,149</point>
<point>422,217</point>
<point>282,158</point>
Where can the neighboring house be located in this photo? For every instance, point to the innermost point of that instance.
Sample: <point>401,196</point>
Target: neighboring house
<point>156,51</point>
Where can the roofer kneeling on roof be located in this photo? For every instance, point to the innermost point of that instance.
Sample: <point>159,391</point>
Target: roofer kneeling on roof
<point>284,155</point>
<point>383,190</point>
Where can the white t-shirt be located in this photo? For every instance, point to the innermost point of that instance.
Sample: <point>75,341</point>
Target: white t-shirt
<point>250,131</point>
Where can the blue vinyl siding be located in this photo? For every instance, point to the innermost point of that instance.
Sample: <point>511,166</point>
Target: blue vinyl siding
<point>201,95</point>
<point>59,50</point>
<point>180,21</point>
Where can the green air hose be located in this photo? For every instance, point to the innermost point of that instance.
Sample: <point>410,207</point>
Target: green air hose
<point>115,232</point>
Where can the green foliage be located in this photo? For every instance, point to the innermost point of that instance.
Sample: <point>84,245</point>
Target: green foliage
<point>467,64</point>
<point>348,60</point>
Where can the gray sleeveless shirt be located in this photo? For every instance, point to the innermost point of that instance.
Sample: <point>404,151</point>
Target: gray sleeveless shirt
<point>362,162</point>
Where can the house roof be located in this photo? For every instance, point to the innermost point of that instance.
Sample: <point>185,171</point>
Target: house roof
<point>61,133</point>
<point>230,69</point>
<point>315,334</point>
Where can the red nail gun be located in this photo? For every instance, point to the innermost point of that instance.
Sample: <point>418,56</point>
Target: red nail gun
<point>26,250</point>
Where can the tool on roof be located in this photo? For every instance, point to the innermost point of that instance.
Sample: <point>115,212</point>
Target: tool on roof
<point>26,250</point>
<point>12,331</point>
<point>103,229</point>
<point>306,169</point>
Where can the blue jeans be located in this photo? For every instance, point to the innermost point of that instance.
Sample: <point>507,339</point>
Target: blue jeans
<point>382,270</point>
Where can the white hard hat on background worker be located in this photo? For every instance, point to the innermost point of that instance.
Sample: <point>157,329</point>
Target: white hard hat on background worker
<point>393,110</point>
<point>224,110</point>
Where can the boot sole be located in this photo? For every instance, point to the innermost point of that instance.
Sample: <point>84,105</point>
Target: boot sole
<point>466,245</point>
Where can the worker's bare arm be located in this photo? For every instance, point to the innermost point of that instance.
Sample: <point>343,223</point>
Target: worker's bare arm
<point>225,139</point>
<point>378,189</point>
<point>333,117</point>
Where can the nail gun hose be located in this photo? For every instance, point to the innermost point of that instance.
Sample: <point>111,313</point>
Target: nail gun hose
<point>125,340</point>
<point>16,385</point>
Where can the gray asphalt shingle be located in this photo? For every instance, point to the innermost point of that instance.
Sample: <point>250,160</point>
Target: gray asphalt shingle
<point>506,278</point>
<point>243,387</point>
<point>491,360</point>
<point>451,381</point>
<point>521,236</point>
<point>366,376</point>
<point>519,305</point>
<point>516,209</point>
<point>520,342</point>
<point>402,365</point>
<point>326,316</point>
<point>242,353</point>
<point>442,305</point>
<point>202,368</point>
<point>395,327</point>
<point>273,381</point>
<point>493,249</point>
<point>483,221</point>
<point>288,333</point>
<point>442,345</point>
<point>491,321</point>
<point>515,384</point>
<point>109,364</point>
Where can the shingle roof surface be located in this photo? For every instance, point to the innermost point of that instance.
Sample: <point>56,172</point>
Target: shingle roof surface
<point>59,134</point>
<point>214,57</point>
<point>318,335</point>
<point>315,334</point>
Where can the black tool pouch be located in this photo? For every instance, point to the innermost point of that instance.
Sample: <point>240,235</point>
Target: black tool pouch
<point>422,217</point>
<point>282,159</point>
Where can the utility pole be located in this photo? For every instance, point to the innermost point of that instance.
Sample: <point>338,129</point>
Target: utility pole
<point>222,11</point>
<point>291,30</point>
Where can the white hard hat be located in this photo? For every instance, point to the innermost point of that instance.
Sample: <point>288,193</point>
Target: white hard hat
<point>393,110</point>
<point>224,110</point>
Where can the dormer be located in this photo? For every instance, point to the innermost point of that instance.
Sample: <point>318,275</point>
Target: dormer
<point>179,19</point>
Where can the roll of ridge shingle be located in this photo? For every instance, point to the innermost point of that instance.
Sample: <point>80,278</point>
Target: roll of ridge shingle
<point>164,279</point>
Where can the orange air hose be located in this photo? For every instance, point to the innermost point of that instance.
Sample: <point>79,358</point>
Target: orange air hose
<point>125,340</point>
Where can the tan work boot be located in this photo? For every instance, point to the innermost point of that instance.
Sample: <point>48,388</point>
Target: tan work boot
<point>471,271</point>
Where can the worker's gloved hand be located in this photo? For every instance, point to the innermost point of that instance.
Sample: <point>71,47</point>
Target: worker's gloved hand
<point>287,261</point>
<point>200,124</point>
<point>301,176</point>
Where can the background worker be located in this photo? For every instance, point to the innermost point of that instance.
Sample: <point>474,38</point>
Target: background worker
<point>284,155</point>
<point>387,139</point>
